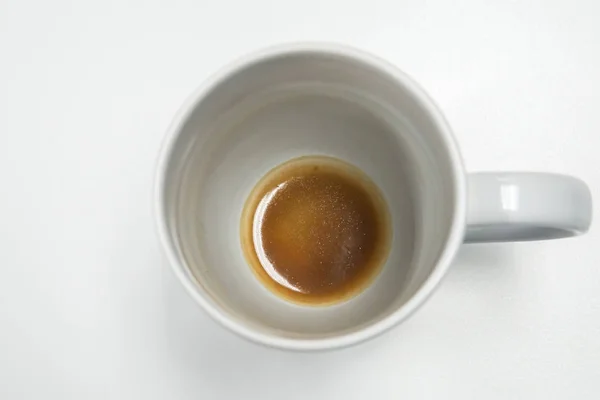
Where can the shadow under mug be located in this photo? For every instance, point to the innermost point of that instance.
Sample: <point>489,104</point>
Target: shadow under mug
<point>306,99</point>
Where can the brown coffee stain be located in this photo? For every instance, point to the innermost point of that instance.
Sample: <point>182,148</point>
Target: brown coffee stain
<point>315,230</point>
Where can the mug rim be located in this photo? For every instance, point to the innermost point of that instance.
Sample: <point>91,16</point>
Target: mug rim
<point>457,226</point>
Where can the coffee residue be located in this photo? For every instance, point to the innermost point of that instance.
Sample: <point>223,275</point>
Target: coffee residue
<point>315,230</point>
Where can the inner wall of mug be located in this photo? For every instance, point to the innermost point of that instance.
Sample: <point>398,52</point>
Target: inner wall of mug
<point>292,105</point>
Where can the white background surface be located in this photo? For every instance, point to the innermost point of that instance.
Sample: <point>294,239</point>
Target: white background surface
<point>88,307</point>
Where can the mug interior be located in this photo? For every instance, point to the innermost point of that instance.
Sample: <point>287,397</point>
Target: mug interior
<point>285,104</point>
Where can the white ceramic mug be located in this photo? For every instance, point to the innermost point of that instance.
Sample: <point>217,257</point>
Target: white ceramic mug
<point>309,99</point>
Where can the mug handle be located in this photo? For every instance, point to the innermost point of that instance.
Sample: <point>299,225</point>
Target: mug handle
<point>523,206</point>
